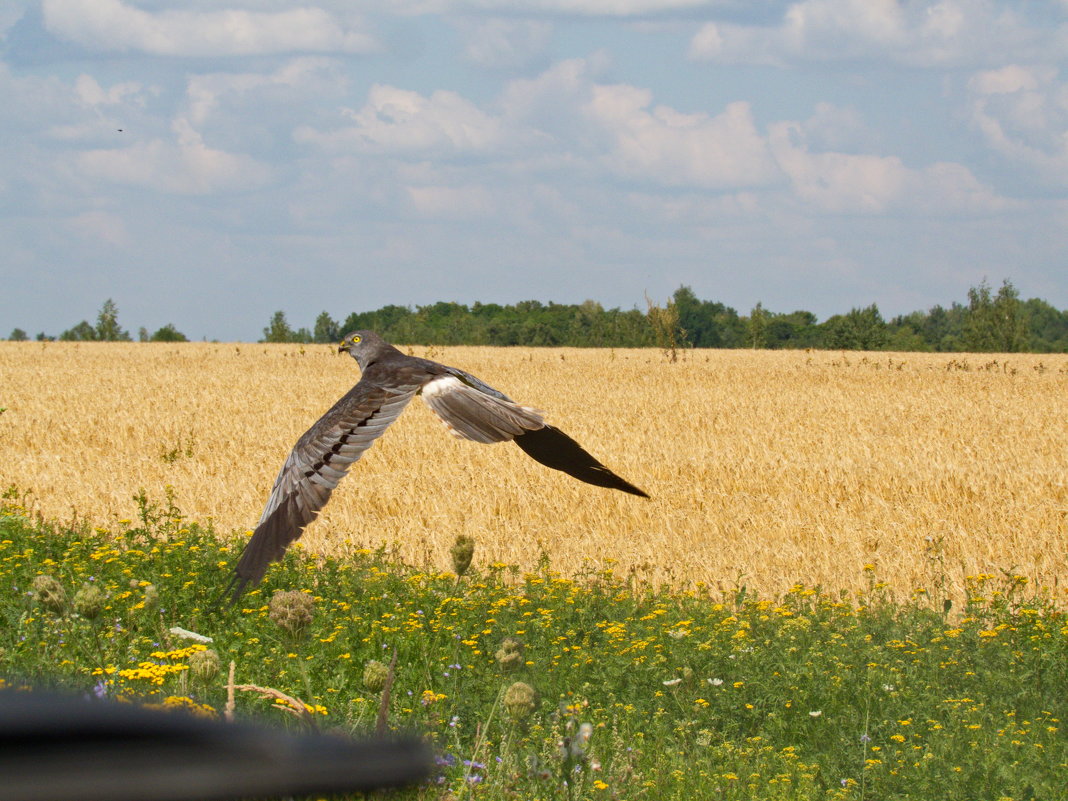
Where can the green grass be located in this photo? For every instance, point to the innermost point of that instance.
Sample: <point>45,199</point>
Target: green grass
<point>687,694</point>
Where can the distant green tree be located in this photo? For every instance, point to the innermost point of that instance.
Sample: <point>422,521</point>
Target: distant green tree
<point>905,332</point>
<point>1047,327</point>
<point>326,329</point>
<point>757,327</point>
<point>707,324</point>
<point>18,335</point>
<point>994,323</point>
<point>142,334</point>
<point>859,329</point>
<point>794,330</point>
<point>943,328</point>
<point>168,333</point>
<point>696,327</point>
<point>82,332</point>
<point>107,324</point>
<point>664,322</point>
<point>278,330</point>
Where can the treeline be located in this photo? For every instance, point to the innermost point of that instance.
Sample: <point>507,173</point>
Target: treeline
<point>107,329</point>
<point>990,321</point>
<point>528,322</point>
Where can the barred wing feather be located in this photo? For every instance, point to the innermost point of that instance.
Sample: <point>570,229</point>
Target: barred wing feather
<point>321,458</point>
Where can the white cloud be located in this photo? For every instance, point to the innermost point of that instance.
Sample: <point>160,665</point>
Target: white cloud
<point>1022,112</point>
<point>401,121</point>
<point>1006,80</point>
<point>111,25</point>
<point>309,76</point>
<point>500,43</point>
<point>565,122</point>
<point>836,128</point>
<point>185,166</point>
<point>924,33</point>
<point>101,226</point>
<point>662,145</point>
<point>583,8</point>
<point>452,202</point>
<point>563,119</point>
<point>91,93</point>
<point>844,183</point>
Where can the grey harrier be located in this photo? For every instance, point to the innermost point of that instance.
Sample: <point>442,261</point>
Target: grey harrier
<point>469,408</point>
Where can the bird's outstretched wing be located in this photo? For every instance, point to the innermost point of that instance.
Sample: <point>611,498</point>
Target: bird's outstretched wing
<point>312,470</point>
<point>473,410</point>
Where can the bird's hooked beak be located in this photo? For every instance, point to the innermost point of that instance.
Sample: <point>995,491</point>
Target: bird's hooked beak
<point>345,346</point>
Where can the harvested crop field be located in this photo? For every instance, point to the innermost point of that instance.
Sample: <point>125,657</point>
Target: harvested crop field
<point>766,468</point>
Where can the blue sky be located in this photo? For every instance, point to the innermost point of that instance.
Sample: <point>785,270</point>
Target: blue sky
<point>206,163</point>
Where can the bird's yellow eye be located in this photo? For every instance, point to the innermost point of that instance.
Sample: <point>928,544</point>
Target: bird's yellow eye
<point>355,340</point>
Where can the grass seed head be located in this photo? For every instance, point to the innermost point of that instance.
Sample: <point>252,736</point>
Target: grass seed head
<point>291,611</point>
<point>520,701</point>
<point>462,552</point>
<point>50,594</point>
<point>374,676</point>
<point>204,665</point>
<point>89,601</point>
<point>510,655</point>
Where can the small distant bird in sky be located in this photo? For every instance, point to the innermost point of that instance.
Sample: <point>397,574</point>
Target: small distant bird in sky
<point>469,408</point>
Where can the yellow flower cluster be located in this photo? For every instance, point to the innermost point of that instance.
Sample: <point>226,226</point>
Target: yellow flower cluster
<point>151,672</point>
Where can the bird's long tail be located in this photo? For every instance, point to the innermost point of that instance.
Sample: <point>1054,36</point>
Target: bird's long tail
<point>555,449</point>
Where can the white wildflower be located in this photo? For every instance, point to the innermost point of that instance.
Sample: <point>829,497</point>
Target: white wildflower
<point>185,634</point>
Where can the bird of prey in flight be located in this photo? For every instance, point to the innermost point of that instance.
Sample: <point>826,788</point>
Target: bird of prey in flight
<point>469,408</point>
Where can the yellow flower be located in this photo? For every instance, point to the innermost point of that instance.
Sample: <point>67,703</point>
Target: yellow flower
<point>429,697</point>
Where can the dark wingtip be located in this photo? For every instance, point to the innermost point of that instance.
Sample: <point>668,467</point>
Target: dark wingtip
<point>555,449</point>
<point>231,594</point>
<point>267,544</point>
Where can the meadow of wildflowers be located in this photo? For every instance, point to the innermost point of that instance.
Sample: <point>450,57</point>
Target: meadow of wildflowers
<point>530,684</point>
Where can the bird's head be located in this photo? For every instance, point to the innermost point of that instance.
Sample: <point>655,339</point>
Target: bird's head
<point>363,346</point>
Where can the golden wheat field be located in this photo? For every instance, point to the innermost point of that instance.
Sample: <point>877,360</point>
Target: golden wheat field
<point>765,468</point>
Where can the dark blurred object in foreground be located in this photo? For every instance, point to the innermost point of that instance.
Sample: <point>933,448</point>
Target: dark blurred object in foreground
<point>57,748</point>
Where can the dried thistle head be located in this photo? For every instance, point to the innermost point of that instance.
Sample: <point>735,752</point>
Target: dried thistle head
<point>204,665</point>
<point>89,601</point>
<point>151,597</point>
<point>462,552</point>
<point>291,611</point>
<point>375,675</point>
<point>510,655</point>
<point>520,700</point>
<point>50,594</point>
